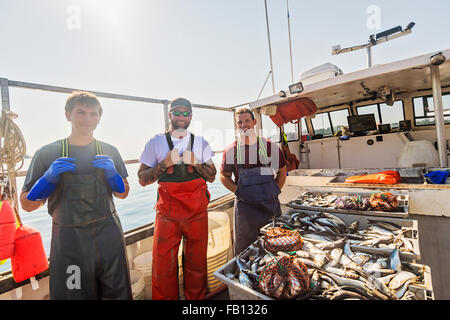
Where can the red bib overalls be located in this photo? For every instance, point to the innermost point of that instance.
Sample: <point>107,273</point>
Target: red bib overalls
<point>181,212</point>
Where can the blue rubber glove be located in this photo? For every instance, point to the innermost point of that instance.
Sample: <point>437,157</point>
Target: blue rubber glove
<point>45,186</point>
<point>438,177</point>
<point>114,179</point>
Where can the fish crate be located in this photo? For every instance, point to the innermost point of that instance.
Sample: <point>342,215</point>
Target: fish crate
<point>236,290</point>
<point>412,235</point>
<point>423,290</point>
<point>401,212</point>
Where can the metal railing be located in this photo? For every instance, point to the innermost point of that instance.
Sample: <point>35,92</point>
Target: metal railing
<point>5,84</point>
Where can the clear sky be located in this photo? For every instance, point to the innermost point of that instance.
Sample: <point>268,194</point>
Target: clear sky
<point>209,51</point>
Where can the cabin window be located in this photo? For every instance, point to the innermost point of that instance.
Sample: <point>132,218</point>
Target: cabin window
<point>291,130</point>
<point>321,124</point>
<point>369,110</point>
<point>304,127</point>
<point>385,114</point>
<point>328,123</point>
<point>269,129</point>
<point>392,114</point>
<point>339,119</point>
<point>424,110</point>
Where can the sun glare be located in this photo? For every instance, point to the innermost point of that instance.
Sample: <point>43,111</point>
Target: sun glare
<point>110,10</point>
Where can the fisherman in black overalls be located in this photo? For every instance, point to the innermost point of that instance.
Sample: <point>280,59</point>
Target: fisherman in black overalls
<point>252,160</point>
<point>79,175</point>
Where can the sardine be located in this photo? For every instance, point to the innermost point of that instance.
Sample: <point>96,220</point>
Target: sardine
<point>400,278</point>
<point>332,245</point>
<point>347,282</point>
<point>379,230</point>
<point>378,287</point>
<point>394,260</point>
<point>311,248</point>
<point>243,277</point>
<point>401,292</point>
<point>348,252</point>
<point>353,227</point>
<point>320,259</point>
<point>407,245</point>
<point>386,279</point>
<point>347,262</point>
<point>302,254</point>
<point>335,254</point>
<point>338,221</point>
<point>383,262</point>
<point>326,222</point>
<point>344,294</point>
<point>309,263</point>
<point>409,296</point>
<point>314,280</point>
<point>361,258</point>
<point>384,224</point>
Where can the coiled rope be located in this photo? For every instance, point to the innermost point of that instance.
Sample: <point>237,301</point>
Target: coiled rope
<point>12,153</point>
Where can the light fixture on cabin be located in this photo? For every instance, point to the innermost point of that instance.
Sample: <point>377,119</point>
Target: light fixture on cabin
<point>296,88</point>
<point>410,26</point>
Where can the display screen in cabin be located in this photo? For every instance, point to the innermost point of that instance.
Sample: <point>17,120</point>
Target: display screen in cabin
<point>361,123</point>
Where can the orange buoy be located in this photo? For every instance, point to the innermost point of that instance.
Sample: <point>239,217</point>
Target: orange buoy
<point>7,230</point>
<point>29,257</point>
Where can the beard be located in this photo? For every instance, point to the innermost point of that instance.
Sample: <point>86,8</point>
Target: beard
<point>177,126</point>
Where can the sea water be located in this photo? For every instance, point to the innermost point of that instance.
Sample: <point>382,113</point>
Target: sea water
<point>134,211</point>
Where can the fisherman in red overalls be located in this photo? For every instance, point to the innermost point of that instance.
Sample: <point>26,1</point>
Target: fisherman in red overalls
<point>181,163</point>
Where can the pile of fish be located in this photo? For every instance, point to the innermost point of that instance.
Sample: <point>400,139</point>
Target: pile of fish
<point>336,269</point>
<point>323,226</point>
<point>316,200</point>
<point>375,202</point>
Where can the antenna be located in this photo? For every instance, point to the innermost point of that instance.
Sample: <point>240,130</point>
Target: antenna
<point>290,43</point>
<point>374,40</point>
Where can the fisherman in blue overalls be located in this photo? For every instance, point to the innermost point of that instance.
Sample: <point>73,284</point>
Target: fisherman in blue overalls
<point>253,160</point>
<point>79,176</point>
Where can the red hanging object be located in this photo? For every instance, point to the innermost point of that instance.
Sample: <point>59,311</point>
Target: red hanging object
<point>29,257</point>
<point>7,230</point>
<point>293,111</point>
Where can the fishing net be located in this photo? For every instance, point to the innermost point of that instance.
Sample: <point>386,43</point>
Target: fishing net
<point>383,201</point>
<point>352,203</point>
<point>284,278</point>
<point>280,239</point>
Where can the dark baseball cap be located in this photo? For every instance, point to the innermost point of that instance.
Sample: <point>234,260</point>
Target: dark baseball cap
<point>180,102</point>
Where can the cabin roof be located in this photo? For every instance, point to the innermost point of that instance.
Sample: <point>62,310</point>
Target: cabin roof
<point>402,76</point>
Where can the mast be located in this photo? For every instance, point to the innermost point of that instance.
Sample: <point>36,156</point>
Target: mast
<point>290,42</point>
<point>270,47</point>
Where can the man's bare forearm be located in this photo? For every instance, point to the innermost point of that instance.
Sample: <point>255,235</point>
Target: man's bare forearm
<point>228,183</point>
<point>207,171</point>
<point>29,205</point>
<point>148,175</point>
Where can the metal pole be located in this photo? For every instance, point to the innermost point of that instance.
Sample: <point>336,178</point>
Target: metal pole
<point>369,56</point>
<point>290,43</point>
<point>439,114</point>
<point>166,114</point>
<point>5,94</point>
<point>270,47</point>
